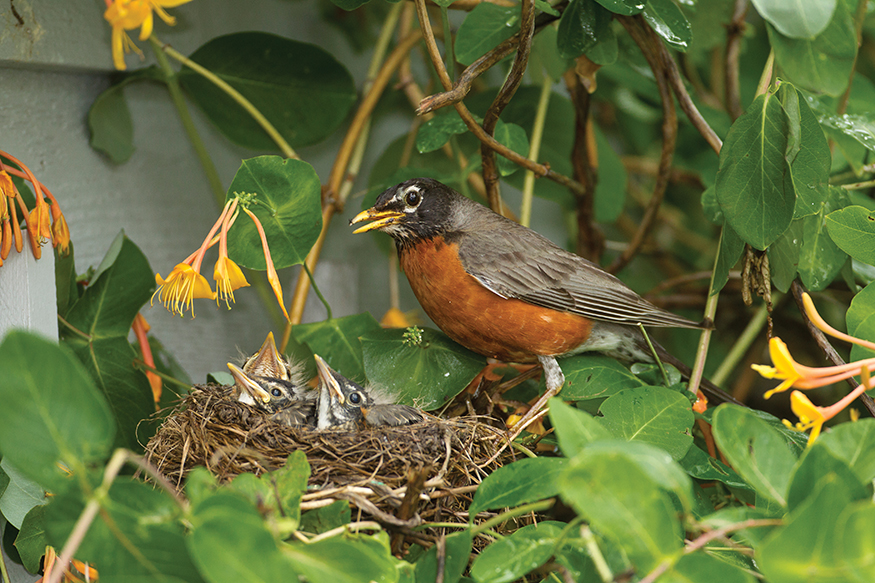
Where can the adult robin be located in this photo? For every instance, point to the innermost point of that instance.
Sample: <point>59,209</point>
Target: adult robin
<point>275,397</point>
<point>504,291</point>
<point>343,404</point>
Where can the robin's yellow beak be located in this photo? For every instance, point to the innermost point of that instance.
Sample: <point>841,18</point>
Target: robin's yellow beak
<point>380,218</point>
<point>326,375</point>
<point>243,382</point>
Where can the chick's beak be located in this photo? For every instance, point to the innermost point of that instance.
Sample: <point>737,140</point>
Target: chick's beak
<point>326,376</point>
<point>247,384</point>
<point>380,218</point>
<point>267,359</point>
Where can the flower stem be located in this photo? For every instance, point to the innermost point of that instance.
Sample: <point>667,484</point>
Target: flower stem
<point>194,137</point>
<point>271,131</point>
<point>513,513</point>
<point>316,289</point>
<point>534,150</point>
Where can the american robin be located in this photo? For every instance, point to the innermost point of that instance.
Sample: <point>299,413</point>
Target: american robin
<point>274,396</point>
<point>344,404</point>
<point>504,291</point>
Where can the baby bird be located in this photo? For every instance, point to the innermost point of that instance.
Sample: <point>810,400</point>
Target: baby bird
<point>343,404</point>
<point>274,396</point>
<point>269,363</point>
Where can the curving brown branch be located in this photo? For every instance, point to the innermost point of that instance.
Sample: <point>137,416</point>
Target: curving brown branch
<point>823,342</point>
<point>650,46</point>
<point>734,34</point>
<point>511,83</point>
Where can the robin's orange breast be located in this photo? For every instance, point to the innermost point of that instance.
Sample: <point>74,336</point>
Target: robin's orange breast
<point>473,316</point>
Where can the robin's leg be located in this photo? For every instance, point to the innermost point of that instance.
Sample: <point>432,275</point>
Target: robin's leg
<point>554,379</point>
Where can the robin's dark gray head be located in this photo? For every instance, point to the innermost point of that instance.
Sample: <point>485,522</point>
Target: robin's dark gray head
<point>416,209</point>
<point>341,400</point>
<point>266,393</point>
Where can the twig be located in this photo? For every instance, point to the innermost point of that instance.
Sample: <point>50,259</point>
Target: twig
<point>441,559</point>
<point>415,482</point>
<point>825,345</point>
<point>648,42</point>
<point>535,149</point>
<point>511,83</point>
<point>734,34</point>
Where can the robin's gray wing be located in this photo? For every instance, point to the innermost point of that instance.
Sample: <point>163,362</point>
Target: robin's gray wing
<point>515,262</point>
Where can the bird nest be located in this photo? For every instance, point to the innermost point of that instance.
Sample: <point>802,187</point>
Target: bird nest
<point>399,476</point>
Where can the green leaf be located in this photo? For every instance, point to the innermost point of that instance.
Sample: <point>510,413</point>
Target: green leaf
<point>653,415</point>
<point>861,321</point>
<point>515,138</point>
<point>19,495</point>
<point>625,7</point>
<point>136,536</point>
<point>784,256</point>
<point>818,461</point>
<point>122,284</point>
<point>623,502</point>
<point>514,556</point>
<point>702,466</point>
<point>853,230</point>
<point>545,55</point>
<point>544,6</point>
<point>856,539</point>
<point>700,567</point>
<point>65,280</point>
<point>457,552</point>
<point>300,88</point>
<point>754,184</point>
<point>425,372</point>
<point>337,341</point>
<point>51,410</point>
<point>824,63</point>
<point>797,18</point>
<point>523,481</point>
<point>288,204</point>
<point>575,428</point>
<point>610,190</point>
<point>437,131</point>
<point>669,22</point>
<point>583,24</point>
<point>485,27</point>
<point>855,444</point>
<point>323,519</point>
<point>820,259</point>
<point>31,540</point>
<point>348,559</point>
<point>809,157</point>
<point>349,5</point>
<point>230,543</point>
<point>759,453</point>
<point>731,249</point>
<point>278,492</point>
<point>592,376</point>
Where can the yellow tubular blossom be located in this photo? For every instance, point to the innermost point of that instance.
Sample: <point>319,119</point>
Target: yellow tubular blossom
<point>229,277</point>
<point>183,285</point>
<point>124,15</point>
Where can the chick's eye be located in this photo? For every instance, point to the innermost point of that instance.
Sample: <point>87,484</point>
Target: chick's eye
<point>276,392</point>
<point>355,398</point>
<point>412,198</point>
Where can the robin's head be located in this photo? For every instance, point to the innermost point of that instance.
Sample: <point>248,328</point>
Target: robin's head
<point>340,399</point>
<point>269,394</point>
<point>420,208</point>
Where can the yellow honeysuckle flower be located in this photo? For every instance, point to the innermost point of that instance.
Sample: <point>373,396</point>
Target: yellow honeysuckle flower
<point>229,277</point>
<point>183,285</point>
<point>7,187</point>
<point>125,15</point>
<point>60,232</point>
<point>785,367</point>
<point>38,220</point>
<point>810,416</point>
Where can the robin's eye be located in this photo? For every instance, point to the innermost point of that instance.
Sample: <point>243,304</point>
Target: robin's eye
<point>412,198</point>
<point>355,398</point>
<point>276,392</point>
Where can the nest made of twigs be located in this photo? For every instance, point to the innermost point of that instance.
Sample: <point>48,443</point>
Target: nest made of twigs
<point>441,462</point>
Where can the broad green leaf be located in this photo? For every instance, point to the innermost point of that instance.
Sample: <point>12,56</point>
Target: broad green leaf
<point>754,185</point>
<point>701,567</point>
<point>730,515</point>
<point>122,284</point>
<point>809,155</point>
<point>422,368</point>
<point>523,481</point>
<point>592,376</point>
<point>51,410</point>
<point>575,428</point>
<point>349,5</point>
<point>759,453</point>
<point>288,203</point>
<point>514,556</point>
<point>300,88</point>
<point>820,259</point>
<point>437,131</point>
<point>653,415</point>
<point>31,539</point>
<point>610,190</point>
<point>856,539</point>
<point>855,444</point>
<point>853,230</point>
<point>229,543</point>
<point>485,27</point>
<point>669,22</point>
<point>702,466</point>
<point>347,559</point>
<point>861,321</point>
<point>457,553</point>
<point>19,496</point>
<point>818,461</point>
<point>325,518</point>
<point>625,7</point>
<point>337,341</point>
<point>731,249</point>
<point>821,64</point>
<point>278,492</point>
<point>137,535</point>
<point>545,55</point>
<point>797,18</point>
<point>622,502</point>
<point>582,25</point>
<point>65,280</point>
<point>515,138</point>
<point>784,256</point>
<point>806,548</point>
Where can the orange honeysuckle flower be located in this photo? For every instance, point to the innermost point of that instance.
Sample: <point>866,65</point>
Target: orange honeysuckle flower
<point>60,232</point>
<point>272,276</point>
<point>7,187</point>
<point>183,285</point>
<point>125,15</point>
